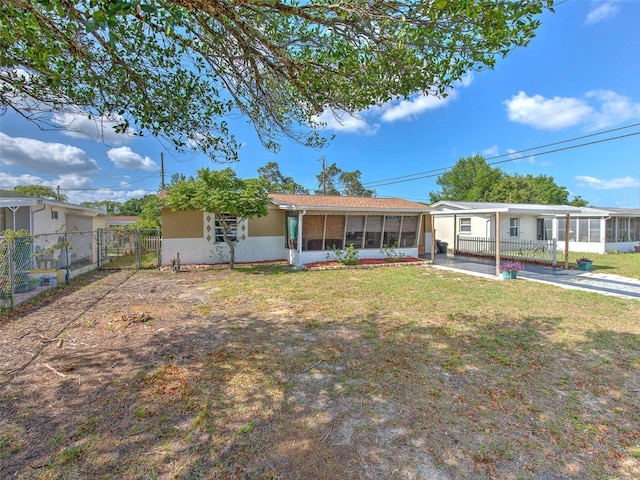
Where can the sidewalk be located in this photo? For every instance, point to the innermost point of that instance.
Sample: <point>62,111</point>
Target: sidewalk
<point>602,283</point>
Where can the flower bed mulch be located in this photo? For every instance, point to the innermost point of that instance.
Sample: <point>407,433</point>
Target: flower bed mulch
<point>366,263</point>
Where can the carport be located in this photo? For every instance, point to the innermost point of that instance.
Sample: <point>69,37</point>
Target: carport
<point>494,215</point>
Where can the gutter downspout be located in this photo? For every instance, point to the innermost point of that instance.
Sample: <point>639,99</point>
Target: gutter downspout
<point>31,218</point>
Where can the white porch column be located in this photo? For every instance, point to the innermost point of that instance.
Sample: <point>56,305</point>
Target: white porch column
<point>497,234</point>
<point>300,215</point>
<point>566,241</point>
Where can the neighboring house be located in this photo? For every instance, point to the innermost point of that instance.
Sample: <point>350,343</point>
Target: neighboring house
<point>119,220</point>
<point>51,222</point>
<point>301,229</point>
<point>589,230</point>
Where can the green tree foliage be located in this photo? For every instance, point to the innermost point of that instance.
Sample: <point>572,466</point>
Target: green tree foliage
<point>109,207</point>
<point>150,216</point>
<point>178,69</point>
<point>221,193</point>
<point>39,191</point>
<point>335,181</point>
<point>278,183</point>
<point>472,179</point>
<point>328,180</point>
<point>352,185</point>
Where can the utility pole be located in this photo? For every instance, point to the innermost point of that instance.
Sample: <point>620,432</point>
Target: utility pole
<point>324,178</point>
<point>162,171</point>
<point>58,196</point>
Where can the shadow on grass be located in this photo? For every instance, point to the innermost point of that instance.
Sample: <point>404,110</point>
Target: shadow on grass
<point>369,396</point>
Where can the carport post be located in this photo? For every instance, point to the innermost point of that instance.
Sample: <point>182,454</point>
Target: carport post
<point>433,238</point>
<point>566,242</point>
<point>497,228</point>
<point>455,233</point>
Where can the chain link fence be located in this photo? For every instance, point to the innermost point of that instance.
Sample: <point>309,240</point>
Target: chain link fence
<point>30,264</point>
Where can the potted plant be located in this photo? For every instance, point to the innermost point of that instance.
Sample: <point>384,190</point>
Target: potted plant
<point>510,269</point>
<point>637,247</point>
<point>584,263</point>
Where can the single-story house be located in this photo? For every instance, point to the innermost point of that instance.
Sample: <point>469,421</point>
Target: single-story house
<point>575,229</point>
<point>119,220</point>
<point>52,222</point>
<point>301,229</point>
<point>44,215</point>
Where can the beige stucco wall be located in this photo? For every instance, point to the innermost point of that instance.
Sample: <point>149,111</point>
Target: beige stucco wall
<point>270,226</point>
<point>182,224</point>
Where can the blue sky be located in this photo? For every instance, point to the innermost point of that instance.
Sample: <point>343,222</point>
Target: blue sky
<point>580,77</point>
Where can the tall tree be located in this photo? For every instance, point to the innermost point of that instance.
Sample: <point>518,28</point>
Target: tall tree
<point>39,191</point>
<point>328,180</point>
<point>470,180</point>
<point>352,185</point>
<point>179,68</point>
<point>150,215</point>
<point>278,183</point>
<point>224,195</point>
<point>109,207</point>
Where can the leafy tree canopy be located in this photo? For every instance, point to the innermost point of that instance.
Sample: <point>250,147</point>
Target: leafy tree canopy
<point>109,207</point>
<point>472,179</point>
<point>278,183</point>
<point>223,194</point>
<point>39,191</point>
<point>178,69</point>
<point>334,181</point>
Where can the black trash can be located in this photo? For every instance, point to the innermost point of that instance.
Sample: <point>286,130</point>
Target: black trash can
<point>438,246</point>
<point>443,247</point>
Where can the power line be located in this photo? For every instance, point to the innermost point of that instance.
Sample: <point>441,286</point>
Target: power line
<point>426,174</point>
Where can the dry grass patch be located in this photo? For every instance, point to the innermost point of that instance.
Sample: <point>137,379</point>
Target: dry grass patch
<point>264,372</point>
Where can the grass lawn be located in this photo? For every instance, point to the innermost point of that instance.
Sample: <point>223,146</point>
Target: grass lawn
<point>625,264</point>
<point>405,373</point>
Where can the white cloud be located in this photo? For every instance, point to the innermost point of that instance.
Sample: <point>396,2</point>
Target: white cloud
<point>614,109</point>
<point>9,181</point>
<point>391,111</point>
<point>600,109</point>
<point>601,12</point>
<point>613,184</point>
<point>546,113</point>
<point>491,151</point>
<point>44,157</point>
<point>408,109</point>
<point>417,104</point>
<point>124,157</point>
<point>519,157</point>
<point>344,122</point>
<point>79,125</point>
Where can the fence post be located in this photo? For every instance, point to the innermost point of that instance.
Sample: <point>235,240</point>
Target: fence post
<point>554,249</point>
<point>138,241</point>
<point>11,243</point>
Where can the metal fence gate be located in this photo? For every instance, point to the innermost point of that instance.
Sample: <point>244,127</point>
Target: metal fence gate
<point>120,248</point>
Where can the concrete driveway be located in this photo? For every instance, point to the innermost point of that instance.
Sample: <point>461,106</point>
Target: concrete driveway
<point>602,283</point>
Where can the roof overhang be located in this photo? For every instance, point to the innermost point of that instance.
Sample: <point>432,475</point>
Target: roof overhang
<point>555,212</point>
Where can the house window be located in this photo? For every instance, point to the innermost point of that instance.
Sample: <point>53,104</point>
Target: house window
<point>514,227</point>
<point>409,233</point>
<point>464,225</point>
<point>313,232</point>
<point>391,236</point>
<point>562,228</point>
<point>373,234</point>
<point>54,215</point>
<point>355,230</point>
<point>589,230</point>
<point>231,223</point>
